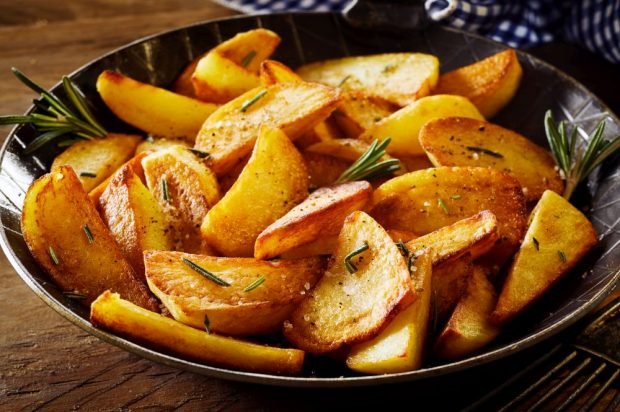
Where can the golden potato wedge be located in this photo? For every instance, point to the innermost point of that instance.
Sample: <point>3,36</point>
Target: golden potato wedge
<point>400,346</point>
<point>230,133</point>
<point>95,160</point>
<point>324,246</point>
<point>153,145</point>
<point>122,317</point>
<point>243,308</point>
<point>154,110</point>
<point>489,83</point>
<point>135,164</point>
<point>185,189</point>
<point>403,126</point>
<point>400,78</point>
<point>346,308</point>
<point>458,141</point>
<point>449,284</point>
<point>272,72</point>
<point>346,149</point>
<point>321,214</point>
<point>183,84</point>
<point>429,199</point>
<point>469,328</point>
<point>558,236</point>
<point>69,240</point>
<point>229,178</point>
<point>231,68</point>
<point>134,218</point>
<point>358,112</point>
<point>273,182</point>
<point>323,132</point>
<point>324,170</point>
<point>414,163</point>
<point>474,235</point>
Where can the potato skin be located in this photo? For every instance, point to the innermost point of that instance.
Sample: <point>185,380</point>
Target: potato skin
<point>346,308</point>
<point>231,310</point>
<point>100,157</point>
<point>490,83</point>
<point>323,170</point>
<point>321,214</point>
<point>273,182</point>
<point>56,208</point>
<point>451,141</point>
<point>122,317</point>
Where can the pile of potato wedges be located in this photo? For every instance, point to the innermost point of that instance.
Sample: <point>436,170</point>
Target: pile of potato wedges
<point>227,220</point>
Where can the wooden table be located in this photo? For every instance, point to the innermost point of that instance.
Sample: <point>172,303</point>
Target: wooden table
<point>46,362</point>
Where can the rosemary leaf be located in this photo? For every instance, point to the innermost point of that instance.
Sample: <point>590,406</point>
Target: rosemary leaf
<point>80,104</point>
<point>351,268</point>
<point>479,149</point>
<point>199,153</point>
<point>442,204</point>
<point>254,284</point>
<point>366,166</point>
<point>45,138</point>
<point>164,189</point>
<point>204,272</point>
<point>87,174</point>
<point>562,255</point>
<point>4,120</point>
<point>207,324</point>
<point>402,248</point>
<point>248,58</point>
<point>344,80</point>
<point>455,197</point>
<point>246,105</point>
<point>53,255</point>
<point>536,243</point>
<point>89,234</point>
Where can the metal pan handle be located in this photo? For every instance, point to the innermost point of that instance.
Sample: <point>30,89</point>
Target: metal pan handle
<point>389,15</point>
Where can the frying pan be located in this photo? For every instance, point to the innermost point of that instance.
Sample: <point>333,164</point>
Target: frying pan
<point>364,28</point>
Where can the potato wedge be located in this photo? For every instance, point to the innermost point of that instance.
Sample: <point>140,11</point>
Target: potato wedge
<point>346,308</point>
<point>324,246</point>
<point>400,78</point>
<point>135,164</point>
<point>474,235</point>
<point>122,317</point>
<point>557,238</point>
<point>400,346</point>
<point>403,126</point>
<point>154,110</point>
<point>357,112</point>
<point>69,240</point>
<point>95,160</point>
<point>427,200</point>
<point>346,149</point>
<point>272,72</point>
<point>153,145</point>
<point>185,189</point>
<point>321,214</point>
<point>401,235</point>
<point>183,84</point>
<point>324,170</point>
<point>230,133</point>
<point>469,328</point>
<point>450,281</point>
<point>134,218</point>
<point>233,310</point>
<point>489,83</point>
<point>273,182</point>
<point>231,68</point>
<point>458,141</point>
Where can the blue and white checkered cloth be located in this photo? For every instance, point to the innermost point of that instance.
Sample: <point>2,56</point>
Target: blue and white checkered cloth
<point>593,24</point>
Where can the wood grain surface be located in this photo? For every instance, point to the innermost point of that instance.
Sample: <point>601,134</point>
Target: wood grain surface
<point>46,362</point>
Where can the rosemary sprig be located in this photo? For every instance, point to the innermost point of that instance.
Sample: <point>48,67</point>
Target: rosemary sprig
<point>443,205</point>
<point>344,80</point>
<point>88,233</point>
<point>88,174</point>
<point>204,272</point>
<point>54,256</point>
<point>57,118</point>
<point>246,105</point>
<point>248,58</point>
<point>350,266</point>
<point>366,166</point>
<point>165,192</point>
<point>254,284</point>
<point>199,153</point>
<point>575,163</point>
<point>478,149</point>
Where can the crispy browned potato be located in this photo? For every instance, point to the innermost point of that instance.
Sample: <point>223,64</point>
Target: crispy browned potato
<point>403,127</point>
<point>135,164</point>
<point>95,160</point>
<point>134,218</point>
<point>321,214</point>
<point>231,68</point>
<point>272,183</point>
<point>489,83</point>
<point>458,141</point>
<point>157,111</point>
<point>449,284</point>
<point>400,78</point>
<point>235,309</point>
<point>469,328</point>
<point>427,200</point>
<point>324,170</point>
<point>346,308</point>
<point>230,133</point>
<point>324,246</point>
<point>557,238</point>
<point>358,112</point>
<point>400,346</point>
<point>69,240</point>
<point>185,189</point>
<point>272,72</point>
<point>122,317</point>
<point>474,235</point>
